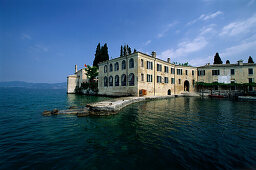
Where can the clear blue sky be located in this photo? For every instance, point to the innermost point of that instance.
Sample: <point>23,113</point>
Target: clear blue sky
<point>41,41</point>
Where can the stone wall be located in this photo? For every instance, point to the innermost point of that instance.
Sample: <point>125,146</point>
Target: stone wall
<point>118,90</point>
<point>76,80</point>
<point>72,82</point>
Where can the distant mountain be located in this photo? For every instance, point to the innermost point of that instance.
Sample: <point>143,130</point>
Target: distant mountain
<point>34,85</point>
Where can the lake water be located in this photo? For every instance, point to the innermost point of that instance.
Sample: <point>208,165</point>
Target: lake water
<point>177,133</point>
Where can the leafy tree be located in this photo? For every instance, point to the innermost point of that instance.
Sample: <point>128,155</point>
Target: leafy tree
<point>134,51</point>
<point>91,73</point>
<point>250,60</point>
<point>227,62</point>
<point>217,59</point>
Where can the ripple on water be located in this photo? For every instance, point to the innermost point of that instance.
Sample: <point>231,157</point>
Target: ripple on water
<point>177,133</point>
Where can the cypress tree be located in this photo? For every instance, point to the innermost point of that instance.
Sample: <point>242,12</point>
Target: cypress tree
<point>97,56</point>
<point>104,53</point>
<point>227,62</point>
<point>217,59</point>
<point>101,54</point>
<point>121,52</point>
<point>134,51</point>
<point>125,50</point>
<point>250,60</point>
<point>129,50</point>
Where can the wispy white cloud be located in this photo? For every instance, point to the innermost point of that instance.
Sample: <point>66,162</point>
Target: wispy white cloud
<point>147,42</point>
<point>251,2</point>
<point>38,48</point>
<point>238,27</point>
<point>184,48</point>
<point>26,36</point>
<point>207,29</point>
<point>167,28</point>
<point>205,17</point>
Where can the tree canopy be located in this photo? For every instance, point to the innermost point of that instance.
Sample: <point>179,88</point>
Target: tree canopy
<point>217,59</point>
<point>250,60</point>
<point>91,73</point>
<point>101,54</point>
<point>227,62</point>
<point>125,50</point>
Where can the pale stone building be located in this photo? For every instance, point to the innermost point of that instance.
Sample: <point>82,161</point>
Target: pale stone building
<point>239,73</point>
<point>141,74</point>
<point>75,80</point>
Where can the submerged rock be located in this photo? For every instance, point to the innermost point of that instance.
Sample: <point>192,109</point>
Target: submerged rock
<point>54,111</point>
<point>46,113</point>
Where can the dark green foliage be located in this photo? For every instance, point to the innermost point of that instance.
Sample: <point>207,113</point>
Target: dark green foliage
<point>125,50</point>
<point>250,60</point>
<point>91,73</point>
<point>129,51</point>
<point>134,51</point>
<point>121,51</point>
<point>227,62</point>
<point>217,59</point>
<point>101,54</point>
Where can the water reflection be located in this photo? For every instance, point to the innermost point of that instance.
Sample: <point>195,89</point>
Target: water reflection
<point>82,100</point>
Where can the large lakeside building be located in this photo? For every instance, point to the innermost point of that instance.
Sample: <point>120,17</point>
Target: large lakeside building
<point>141,74</point>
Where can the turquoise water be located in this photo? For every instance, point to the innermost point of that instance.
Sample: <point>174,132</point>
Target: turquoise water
<point>178,133</point>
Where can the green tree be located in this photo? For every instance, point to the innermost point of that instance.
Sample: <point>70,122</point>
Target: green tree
<point>125,51</point>
<point>250,60</point>
<point>104,53</point>
<point>97,56</point>
<point>101,54</point>
<point>227,62</point>
<point>121,51</point>
<point>129,50</point>
<point>217,59</point>
<point>134,51</point>
<point>91,73</point>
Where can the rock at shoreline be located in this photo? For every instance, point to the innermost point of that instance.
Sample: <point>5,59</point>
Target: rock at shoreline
<point>46,113</point>
<point>54,111</point>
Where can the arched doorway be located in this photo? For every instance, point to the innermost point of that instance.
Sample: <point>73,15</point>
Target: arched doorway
<point>186,85</point>
<point>169,92</point>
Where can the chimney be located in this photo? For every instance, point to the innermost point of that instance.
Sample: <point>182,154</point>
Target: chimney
<point>168,60</point>
<point>240,62</point>
<point>75,68</point>
<point>154,54</point>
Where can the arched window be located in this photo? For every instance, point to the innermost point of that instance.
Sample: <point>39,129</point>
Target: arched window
<point>116,66</point>
<point>105,68</point>
<point>131,63</point>
<point>131,79</point>
<point>123,65</point>
<point>116,80</point>
<point>123,80</point>
<point>110,67</point>
<point>110,81</point>
<point>105,81</point>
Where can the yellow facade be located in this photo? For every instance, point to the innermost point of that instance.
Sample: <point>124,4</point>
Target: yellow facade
<point>228,73</point>
<point>151,74</point>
